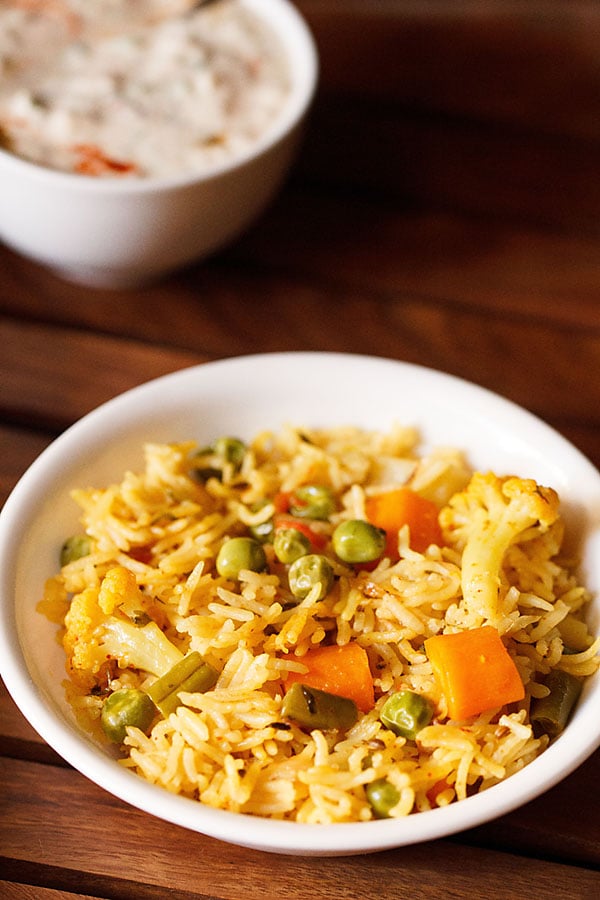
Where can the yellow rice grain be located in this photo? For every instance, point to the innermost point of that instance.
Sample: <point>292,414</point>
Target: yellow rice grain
<point>230,747</point>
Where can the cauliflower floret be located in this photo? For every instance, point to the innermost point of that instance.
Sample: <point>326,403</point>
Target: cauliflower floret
<point>483,521</point>
<point>98,629</point>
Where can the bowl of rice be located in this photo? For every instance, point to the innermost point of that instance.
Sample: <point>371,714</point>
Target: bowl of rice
<point>136,138</point>
<point>308,603</point>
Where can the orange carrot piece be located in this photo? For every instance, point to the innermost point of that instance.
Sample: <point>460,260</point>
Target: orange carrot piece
<point>343,671</point>
<point>92,161</point>
<point>474,670</point>
<point>402,506</point>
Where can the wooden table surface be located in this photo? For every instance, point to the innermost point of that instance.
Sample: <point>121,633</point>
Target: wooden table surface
<point>445,210</point>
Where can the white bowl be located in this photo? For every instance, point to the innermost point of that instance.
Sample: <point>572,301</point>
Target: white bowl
<point>115,233</point>
<point>242,396</point>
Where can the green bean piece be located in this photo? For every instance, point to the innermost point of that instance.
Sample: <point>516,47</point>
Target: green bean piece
<point>240,553</point>
<point>75,547</point>
<point>201,474</point>
<point>191,674</point>
<point>312,501</point>
<point>128,706</point>
<point>308,571</point>
<point>290,544</point>
<point>358,541</point>
<point>549,715</point>
<point>382,797</point>
<point>406,713</point>
<point>311,708</point>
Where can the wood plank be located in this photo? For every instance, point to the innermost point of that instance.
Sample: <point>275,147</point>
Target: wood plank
<point>344,243</point>
<point>46,822</point>
<point>539,365</point>
<point>39,389</point>
<point>13,725</point>
<point>542,827</point>
<point>17,737</point>
<point>19,449</point>
<point>529,64</point>
<point>463,166</point>
<point>11,891</point>
<point>487,106</point>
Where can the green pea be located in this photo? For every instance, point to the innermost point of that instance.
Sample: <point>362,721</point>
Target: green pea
<point>311,708</point>
<point>382,797</point>
<point>240,553</point>
<point>406,713</point>
<point>230,450</point>
<point>358,541</point>
<point>312,501</point>
<point>128,706</point>
<point>308,571</point>
<point>210,462</point>
<point>290,544</point>
<point>75,547</point>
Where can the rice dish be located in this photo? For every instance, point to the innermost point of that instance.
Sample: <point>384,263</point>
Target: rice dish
<point>419,665</point>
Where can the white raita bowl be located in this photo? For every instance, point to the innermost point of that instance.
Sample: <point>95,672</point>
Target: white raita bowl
<point>125,232</point>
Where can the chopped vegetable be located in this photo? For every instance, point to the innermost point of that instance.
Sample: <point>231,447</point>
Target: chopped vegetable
<point>98,627</point>
<point>308,571</point>
<point>312,501</point>
<point>239,554</point>
<point>550,714</point>
<point>402,506</point>
<point>75,547</point>
<point>289,544</point>
<point>406,712</point>
<point>485,519</point>
<point>474,671</point>
<point>125,708</point>
<point>281,502</point>
<point>343,671</point>
<point>222,460</point>
<point>317,540</point>
<point>311,708</point>
<point>191,674</point>
<point>356,541</point>
<point>382,797</point>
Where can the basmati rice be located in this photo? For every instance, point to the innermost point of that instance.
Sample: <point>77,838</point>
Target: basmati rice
<point>231,747</point>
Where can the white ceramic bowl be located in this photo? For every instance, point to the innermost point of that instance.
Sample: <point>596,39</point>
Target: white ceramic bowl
<point>118,233</point>
<point>242,396</point>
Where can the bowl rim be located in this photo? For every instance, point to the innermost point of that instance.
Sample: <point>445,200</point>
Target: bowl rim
<point>276,13</point>
<point>243,829</point>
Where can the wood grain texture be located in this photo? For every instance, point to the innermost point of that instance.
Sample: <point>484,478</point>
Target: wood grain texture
<point>444,210</point>
<point>11,891</point>
<point>532,66</point>
<point>50,823</point>
<point>18,449</point>
<point>487,106</point>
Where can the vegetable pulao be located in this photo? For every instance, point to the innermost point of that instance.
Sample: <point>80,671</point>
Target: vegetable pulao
<point>321,626</point>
